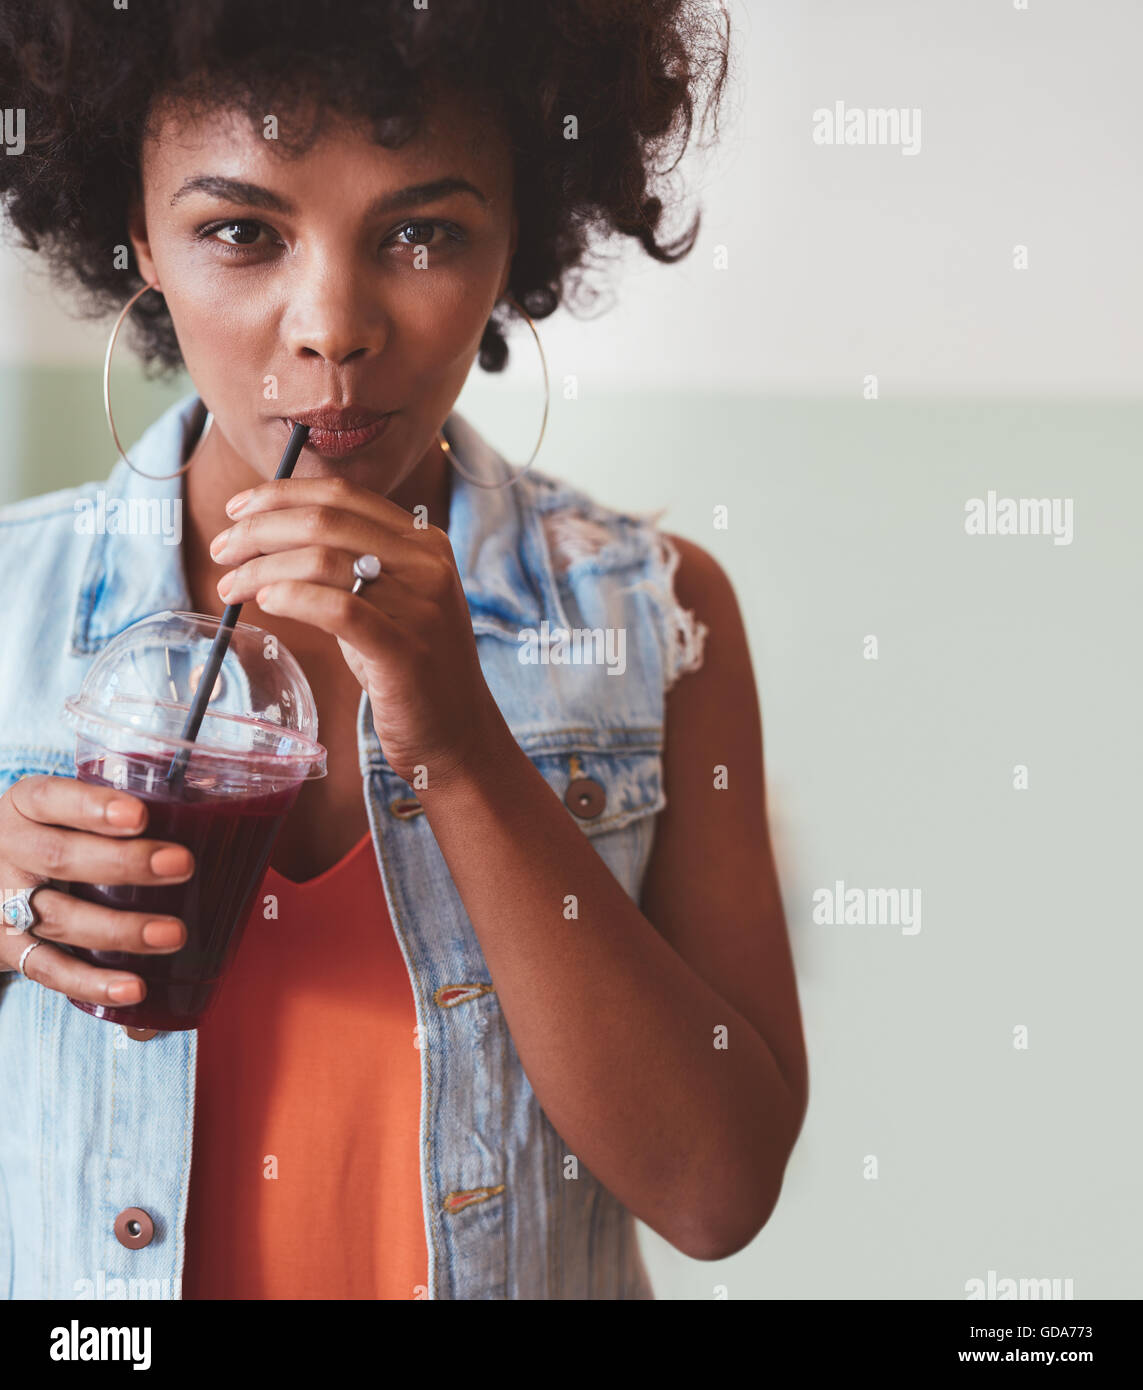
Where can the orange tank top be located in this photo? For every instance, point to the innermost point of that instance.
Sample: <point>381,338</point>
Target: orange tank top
<point>305,1177</point>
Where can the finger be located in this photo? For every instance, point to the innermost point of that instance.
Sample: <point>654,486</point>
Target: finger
<point>315,564</point>
<point>292,528</point>
<point>76,856</point>
<point>403,607</point>
<point>87,806</point>
<point>348,616</point>
<point>96,928</point>
<point>338,492</point>
<point>55,969</point>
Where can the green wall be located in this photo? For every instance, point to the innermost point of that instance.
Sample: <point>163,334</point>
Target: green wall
<point>57,433</point>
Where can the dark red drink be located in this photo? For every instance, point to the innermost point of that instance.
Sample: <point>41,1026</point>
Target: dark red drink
<point>231,838</point>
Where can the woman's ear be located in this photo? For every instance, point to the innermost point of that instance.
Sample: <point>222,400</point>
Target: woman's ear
<point>137,231</point>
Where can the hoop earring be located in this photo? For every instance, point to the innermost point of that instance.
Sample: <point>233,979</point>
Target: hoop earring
<point>450,453</point>
<point>158,477</point>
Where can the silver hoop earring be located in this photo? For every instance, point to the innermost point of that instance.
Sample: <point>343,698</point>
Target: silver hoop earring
<point>157,477</point>
<point>450,453</point>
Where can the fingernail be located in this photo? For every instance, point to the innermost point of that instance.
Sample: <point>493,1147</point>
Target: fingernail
<point>218,545</point>
<point>225,584</point>
<point>237,502</point>
<point>122,812</point>
<point>125,991</point>
<point>170,863</point>
<point>162,933</point>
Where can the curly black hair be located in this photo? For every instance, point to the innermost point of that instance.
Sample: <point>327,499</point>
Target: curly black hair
<point>88,77</point>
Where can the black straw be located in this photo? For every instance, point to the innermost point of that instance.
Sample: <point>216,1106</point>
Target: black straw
<point>178,767</point>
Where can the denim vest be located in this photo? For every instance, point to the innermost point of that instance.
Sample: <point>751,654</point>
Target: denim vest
<point>93,1123</point>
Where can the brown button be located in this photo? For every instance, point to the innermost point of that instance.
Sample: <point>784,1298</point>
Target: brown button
<point>140,1034</point>
<point>585,797</point>
<point>406,807</point>
<point>134,1228</point>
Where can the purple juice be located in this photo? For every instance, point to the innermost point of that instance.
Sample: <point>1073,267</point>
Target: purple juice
<point>231,838</point>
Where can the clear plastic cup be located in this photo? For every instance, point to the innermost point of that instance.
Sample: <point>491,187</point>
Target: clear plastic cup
<point>256,745</point>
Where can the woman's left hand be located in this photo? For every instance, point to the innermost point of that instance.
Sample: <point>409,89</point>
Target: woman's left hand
<point>407,636</point>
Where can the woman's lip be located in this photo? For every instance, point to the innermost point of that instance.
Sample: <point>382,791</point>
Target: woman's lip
<point>336,444</point>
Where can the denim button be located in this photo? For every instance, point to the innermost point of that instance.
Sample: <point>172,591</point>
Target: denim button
<point>585,798</point>
<point>134,1228</point>
<point>140,1034</point>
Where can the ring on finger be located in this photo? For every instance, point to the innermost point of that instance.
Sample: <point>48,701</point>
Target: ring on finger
<point>366,568</point>
<point>17,911</point>
<point>25,953</point>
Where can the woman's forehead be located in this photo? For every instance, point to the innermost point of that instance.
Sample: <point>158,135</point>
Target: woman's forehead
<point>454,129</point>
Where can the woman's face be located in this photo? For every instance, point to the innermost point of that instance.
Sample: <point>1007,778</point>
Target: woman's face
<point>341,278</point>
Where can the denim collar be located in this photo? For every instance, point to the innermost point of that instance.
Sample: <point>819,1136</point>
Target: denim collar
<point>497,540</point>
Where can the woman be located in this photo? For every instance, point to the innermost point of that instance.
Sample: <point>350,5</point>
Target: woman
<point>541,985</point>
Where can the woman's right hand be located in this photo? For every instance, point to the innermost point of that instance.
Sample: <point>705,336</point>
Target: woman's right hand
<point>79,832</point>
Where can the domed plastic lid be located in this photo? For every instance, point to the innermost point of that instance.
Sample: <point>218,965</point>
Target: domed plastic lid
<point>260,723</point>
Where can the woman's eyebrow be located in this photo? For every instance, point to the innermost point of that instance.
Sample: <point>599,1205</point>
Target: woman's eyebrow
<point>239,191</point>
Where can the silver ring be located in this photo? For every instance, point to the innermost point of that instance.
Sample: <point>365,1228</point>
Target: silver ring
<point>17,911</point>
<point>27,951</point>
<point>366,568</point>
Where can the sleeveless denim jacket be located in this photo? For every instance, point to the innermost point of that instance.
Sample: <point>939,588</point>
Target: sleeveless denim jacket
<point>93,1123</point>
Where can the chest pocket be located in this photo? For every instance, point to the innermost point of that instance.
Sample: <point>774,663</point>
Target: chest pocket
<point>612,793</point>
<point>610,783</point>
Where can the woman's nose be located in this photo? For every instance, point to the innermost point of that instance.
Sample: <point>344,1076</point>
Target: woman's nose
<point>333,320</point>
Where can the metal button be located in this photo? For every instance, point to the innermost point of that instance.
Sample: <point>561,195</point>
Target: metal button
<point>406,807</point>
<point>585,797</point>
<point>134,1228</point>
<point>140,1034</point>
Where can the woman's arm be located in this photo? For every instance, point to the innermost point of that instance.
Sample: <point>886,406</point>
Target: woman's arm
<point>615,1015</point>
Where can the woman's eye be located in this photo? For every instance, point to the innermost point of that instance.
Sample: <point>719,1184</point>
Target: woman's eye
<point>234,234</point>
<point>427,228</point>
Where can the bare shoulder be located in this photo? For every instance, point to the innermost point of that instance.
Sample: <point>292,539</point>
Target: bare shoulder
<point>704,590</point>
<point>712,708</point>
<point>700,579</point>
